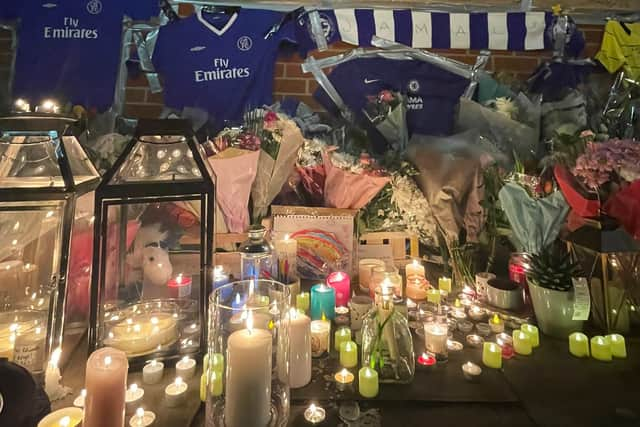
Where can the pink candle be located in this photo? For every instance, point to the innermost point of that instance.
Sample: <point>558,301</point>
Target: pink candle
<point>106,383</point>
<point>180,287</point>
<point>340,282</point>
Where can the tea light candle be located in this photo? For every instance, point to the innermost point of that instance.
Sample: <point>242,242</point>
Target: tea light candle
<point>180,286</point>
<point>320,337</point>
<point>343,334</point>
<point>65,417</point>
<point>133,397</point>
<point>368,382</point>
<point>142,418</point>
<point>477,313</point>
<point>504,339</point>
<point>483,329</point>
<point>323,302</point>
<point>492,355</point>
<point>579,344</point>
<point>433,296</point>
<point>78,402</point>
<point>601,349</point>
<point>414,268</point>
<point>365,268</point>
<point>342,316</point>
<point>341,283</point>
<point>299,349</point>
<point>618,346</point>
<point>464,326</point>
<point>203,387</point>
<point>176,393</point>
<point>349,354</point>
<point>186,368</point>
<point>426,360</point>
<point>315,414</point>
<point>215,383</point>
<point>215,363</point>
<point>471,371</point>
<point>507,351</point>
<point>303,300</point>
<point>533,333</point>
<point>474,340</point>
<point>417,288</point>
<point>152,372</point>
<point>454,345</point>
<point>496,324</point>
<point>343,379</point>
<point>444,284</point>
<point>522,342</point>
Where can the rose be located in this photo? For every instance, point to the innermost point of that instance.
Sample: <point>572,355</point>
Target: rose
<point>385,96</point>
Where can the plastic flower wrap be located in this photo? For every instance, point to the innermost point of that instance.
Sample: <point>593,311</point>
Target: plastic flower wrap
<point>311,170</point>
<point>235,165</point>
<point>351,183</point>
<point>625,207</point>
<point>604,162</point>
<point>388,113</point>
<point>281,139</point>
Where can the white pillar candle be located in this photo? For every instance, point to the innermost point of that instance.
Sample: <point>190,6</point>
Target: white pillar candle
<point>299,349</point>
<point>248,383</point>
<point>106,383</point>
<point>176,393</point>
<point>186,368</point>
<point>133,397</point>
<point>142,418</point>
<point>152,372</point>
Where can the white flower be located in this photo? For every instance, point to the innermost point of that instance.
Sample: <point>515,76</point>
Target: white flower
<point>380,212</point>
<point>416,211</point>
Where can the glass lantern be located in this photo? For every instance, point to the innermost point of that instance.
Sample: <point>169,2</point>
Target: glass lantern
<point>47,185</point>
<point>153,246</point>
<point>610,259</point>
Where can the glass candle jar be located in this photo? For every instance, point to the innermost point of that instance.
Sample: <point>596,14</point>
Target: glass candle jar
<point>435,338</point>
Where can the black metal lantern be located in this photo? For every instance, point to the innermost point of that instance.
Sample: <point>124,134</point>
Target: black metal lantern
<point>47,185</point>
<point>153,246</point>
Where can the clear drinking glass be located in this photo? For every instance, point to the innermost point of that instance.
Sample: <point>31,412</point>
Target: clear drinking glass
<point>256,255</point>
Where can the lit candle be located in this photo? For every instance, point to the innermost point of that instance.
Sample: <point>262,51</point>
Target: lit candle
<point>286,253</point>
<point>133,397</point>
<point>315,414</point>
<point>504,339</point>
<point>341,283</point>
<point>215,363</point>
<point>474,340</point>
<point>248,382</point>
<point>220,278</point>
<point>65,417</point>
<point>444,284</point>
<point>343,379</point>
<point>176,393</point>
<point>152,372</point>
<point>52,377</point>
<point>579,344</point>
<point>414,268</point>
<point>471,371</point>
<point>426,360</point>
<point>320,337</point>
<point>203,387</point>
<point>323,302</point>
<point>454,345</point>
<point>180,286</point>
<point>435,339</point>
<point>417,288</point>
<point>142,418</point>
<point>368,382</point>
<point>365,268</point>
<point>492,355</point>
<point>349,354</point>
<point>340,336</point>
<point>433,296</point>
<point>303,301</point>
<point>533,333</point>
<point>601,349</point>
<point>618,346</point>
<point>78,402</point>
<point>299,349</point>
<point>496,324</point>
<point>215,383</point>
<point>477,313</point>
<point>522,342</point>
<point>342,316</point>
<point>186,368</point>
<point>106,383</point>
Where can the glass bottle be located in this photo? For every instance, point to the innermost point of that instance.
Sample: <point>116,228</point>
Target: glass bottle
<point>387,345</point>
<point>256,255</point>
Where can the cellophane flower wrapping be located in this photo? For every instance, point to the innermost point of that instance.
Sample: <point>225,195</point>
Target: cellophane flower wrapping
<point>606,161</point>
<point>625,207</point>
<point>350,183</point>
<point>278,154</point>
<point>235,168</point>
<point>311,170</point>
<point>387,111</point>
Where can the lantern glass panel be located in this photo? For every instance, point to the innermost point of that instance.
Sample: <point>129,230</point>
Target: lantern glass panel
<point>151,291</point>
<point>81,167</point>
<point>28,269</point>
<point>159,158</point>
<point>30,161</point>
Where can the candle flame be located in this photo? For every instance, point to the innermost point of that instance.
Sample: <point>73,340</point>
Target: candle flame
<point>83,392</point>
<point>495,319</point>
<point>344,374</point>
<point>55,356</point>
<point>293,313</point>
<point>323,317</point>
<point>179,279</point>
<point>107,360</point>
<point>133,387</point>
<point>178,381</point>
<point>65,421</point>
<point>185,359</point>
<point>140,413</point>
<point>415,263</point>
<point>286,237</point>
<point>312,407</point>
<point>249,321</point>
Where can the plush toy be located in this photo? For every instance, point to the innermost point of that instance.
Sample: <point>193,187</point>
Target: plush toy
<point>149,262</point>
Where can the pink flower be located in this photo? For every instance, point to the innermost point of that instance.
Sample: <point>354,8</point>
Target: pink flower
<point>386,96</point>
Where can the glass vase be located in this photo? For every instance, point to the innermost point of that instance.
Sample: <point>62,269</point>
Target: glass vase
<point>247,374</point>
<point>387,345</point>
<point>256,255</point>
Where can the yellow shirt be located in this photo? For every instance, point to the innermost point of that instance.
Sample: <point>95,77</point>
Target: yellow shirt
<point>621,49</point>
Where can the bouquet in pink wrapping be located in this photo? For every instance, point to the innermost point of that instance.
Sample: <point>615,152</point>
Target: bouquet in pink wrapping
<point>311,170</point>
<point>235,164</point>
<point>351,183</point>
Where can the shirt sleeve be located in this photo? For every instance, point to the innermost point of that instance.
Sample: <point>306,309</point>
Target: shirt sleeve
<point>611,55</point>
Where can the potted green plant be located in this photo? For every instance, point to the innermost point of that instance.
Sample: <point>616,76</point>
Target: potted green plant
<point>551,284</point>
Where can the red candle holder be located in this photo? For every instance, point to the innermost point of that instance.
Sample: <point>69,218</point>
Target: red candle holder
<point>426,360</point>
<point>507,351</point>
<point>341,283</point>
<point>180,286</point>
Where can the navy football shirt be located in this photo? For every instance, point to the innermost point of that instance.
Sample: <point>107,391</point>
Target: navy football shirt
<point>432,93</point>
<point>70,49</point>
<point>218,62</point>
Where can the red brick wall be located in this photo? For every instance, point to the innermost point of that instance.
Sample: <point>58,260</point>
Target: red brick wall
<point>290,81</point>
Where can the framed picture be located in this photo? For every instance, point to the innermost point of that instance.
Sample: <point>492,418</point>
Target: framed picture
<point>325,236</point>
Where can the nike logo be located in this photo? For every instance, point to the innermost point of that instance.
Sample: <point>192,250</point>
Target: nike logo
<point>49,5</point>
<point>197,48</point>
<point>368,82</point>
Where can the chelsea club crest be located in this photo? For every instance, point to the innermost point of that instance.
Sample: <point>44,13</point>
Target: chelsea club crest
<point>94,7</point>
